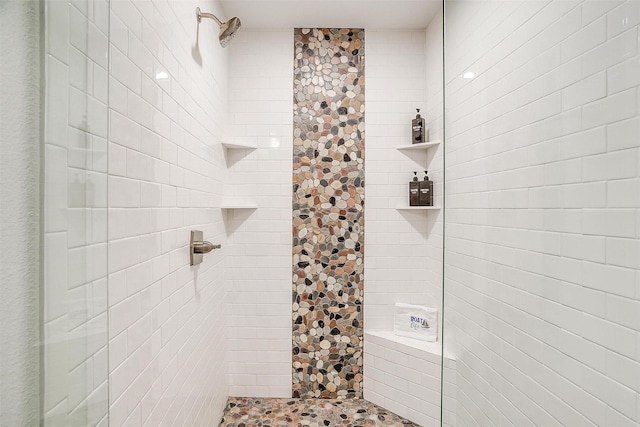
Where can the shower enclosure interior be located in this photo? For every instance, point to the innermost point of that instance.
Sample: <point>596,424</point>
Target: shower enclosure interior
<point>531,253</point>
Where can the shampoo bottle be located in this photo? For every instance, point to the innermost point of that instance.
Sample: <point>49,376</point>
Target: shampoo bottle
<point>414,191</point>
<point>419,133</point>
<point>425,188</point>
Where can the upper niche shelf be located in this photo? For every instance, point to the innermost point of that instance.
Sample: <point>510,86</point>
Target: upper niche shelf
<point>236,146</point>
<point>421,146</point>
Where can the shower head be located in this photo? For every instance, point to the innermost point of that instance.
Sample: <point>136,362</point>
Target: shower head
<point>227,29</point>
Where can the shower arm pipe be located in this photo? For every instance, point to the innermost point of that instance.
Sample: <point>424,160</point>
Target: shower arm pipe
<point>207,15</point>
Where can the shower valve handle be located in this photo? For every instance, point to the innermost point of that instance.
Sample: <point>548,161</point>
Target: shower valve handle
<point>198,247</point>
<point>204,247</point>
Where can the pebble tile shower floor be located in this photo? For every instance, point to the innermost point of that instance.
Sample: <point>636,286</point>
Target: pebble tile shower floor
<point>253,412</point>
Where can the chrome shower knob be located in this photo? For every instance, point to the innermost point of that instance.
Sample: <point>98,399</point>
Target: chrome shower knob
<point>198,247</point>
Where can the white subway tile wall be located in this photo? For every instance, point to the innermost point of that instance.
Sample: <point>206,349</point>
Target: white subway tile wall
<point>403,256</point>
<point>543,214</point>
<point>75,367</point>
<point>543,281</point>
<point>168,107</point>
<point>260,115</point>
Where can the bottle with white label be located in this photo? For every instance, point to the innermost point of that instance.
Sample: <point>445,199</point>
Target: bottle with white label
<point>414,191</point>
<point>425,190</point>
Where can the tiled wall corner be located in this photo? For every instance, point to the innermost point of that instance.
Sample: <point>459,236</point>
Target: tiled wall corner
<point>260,240</point>
<point>403,261</point>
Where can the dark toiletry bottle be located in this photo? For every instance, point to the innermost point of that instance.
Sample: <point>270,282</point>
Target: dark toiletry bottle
<point>414,191</point>
<point>426,191</point>
<point>418,129</point>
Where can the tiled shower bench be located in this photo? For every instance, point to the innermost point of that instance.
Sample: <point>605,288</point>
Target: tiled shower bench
<point>403,375</point>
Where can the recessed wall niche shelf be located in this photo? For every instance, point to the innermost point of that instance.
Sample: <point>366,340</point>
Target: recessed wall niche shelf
<point>229,205</point>
<point>235,205</point>
<point>421,146</point>
<point>235,213</point>
<point>418,208</point>
<point>237,146</point>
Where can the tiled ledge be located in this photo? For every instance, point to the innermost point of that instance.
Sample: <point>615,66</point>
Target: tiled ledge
<point>417,348</point>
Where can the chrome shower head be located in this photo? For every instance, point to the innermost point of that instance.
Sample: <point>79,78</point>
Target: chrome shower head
<point>227,29</point>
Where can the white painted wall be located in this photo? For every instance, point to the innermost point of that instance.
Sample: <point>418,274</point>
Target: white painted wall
<point>543,214</point>
<point>168,102</point>
<point>260,114</point>
<point>20,115</point>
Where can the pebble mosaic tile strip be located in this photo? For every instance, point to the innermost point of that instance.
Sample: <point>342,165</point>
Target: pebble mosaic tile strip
<point>254,412</point>
<point>328,212</point>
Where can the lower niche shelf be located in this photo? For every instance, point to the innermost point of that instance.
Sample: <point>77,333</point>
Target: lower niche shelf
<point>239,206</point>
<point>418,208</point>
<point>238,146</point>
